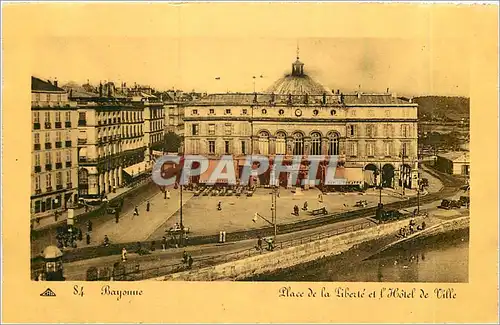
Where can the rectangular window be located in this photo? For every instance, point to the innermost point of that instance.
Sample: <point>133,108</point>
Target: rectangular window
<point>212,111</point>
<point>58,178</point>
<point>47,137</point>
<point>211,147</point>
<point>36,117</point>
<point>48,159</point>
<point>68,176</point>
<point>369,131</point>
<point>58,157</point>
<point>243,147</point>
<point>58,116</point>
<point>353,149</point>
<point>404,149</point>
<point>227,147</point>
<point>171,121</point>
<point>228,111</point>
<point>37,159</point>
<point>245,111</point>
<point>228,129</point>
<point>351,130</point>
<point>211,129</point>
<point>37,97</point>
<point>58,136</point>
<point>370,149</point>
<point>195,146</point>
<point>37,182</point>
<point>68,136</point>
<point>195,129</point>
<point>387,149</point>
<point>47,117</point>
<point>195,112</point>
<point>82,116</point>
<point>37,138</point>
<point>67,116</point>
<point>48,180</point>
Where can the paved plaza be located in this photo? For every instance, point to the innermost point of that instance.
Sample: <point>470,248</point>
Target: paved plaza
<point>200,213</point>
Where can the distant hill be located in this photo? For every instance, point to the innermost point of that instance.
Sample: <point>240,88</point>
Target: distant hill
<point>443,108</point>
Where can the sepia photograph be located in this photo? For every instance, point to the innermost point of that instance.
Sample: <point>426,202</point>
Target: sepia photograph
<point>163,155</point>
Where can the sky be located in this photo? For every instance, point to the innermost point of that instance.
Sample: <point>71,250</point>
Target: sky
<point>412,50</point>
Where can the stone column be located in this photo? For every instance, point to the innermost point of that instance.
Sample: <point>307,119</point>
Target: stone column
<point>289,146</point>
<point>272,145</point>
<point>324,146</point>
<point>307,146</point>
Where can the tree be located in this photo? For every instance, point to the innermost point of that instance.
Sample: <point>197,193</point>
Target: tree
<point>172,142</point>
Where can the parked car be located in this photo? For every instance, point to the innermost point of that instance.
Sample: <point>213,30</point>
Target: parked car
<point>464,200</point>
<point>361,204</point>
<point>445,204</point>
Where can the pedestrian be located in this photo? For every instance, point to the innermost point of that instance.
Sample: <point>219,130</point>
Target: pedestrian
<point>259,244</point>
<point>153,246</point>
<point>219,206</point>
<point>190,261</point>
<point>114,189</point>
<point>147,206</point>
<point>163,243</point>
<point>270,246</point>
<point>168,195</point>
<point>184,257</point>
<point>40,276</point>
<point>296,209</point>
<point>80,234</point>
<point>87,237</point>
<point>320,198</point>
<point>164,194</point>
<point>305,206</point>
<point>278,193</point>
<point>106,241</point>
<point>89,226</point>
<point>136,211</point>
<point>124,254</point>
<point>117,216</point>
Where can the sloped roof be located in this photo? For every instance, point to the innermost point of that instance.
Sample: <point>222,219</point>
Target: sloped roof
<point>38,84</point>
<point>456,156</point>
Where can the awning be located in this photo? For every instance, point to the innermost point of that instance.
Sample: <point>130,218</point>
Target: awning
<point>345,176</point>
<point>212,164</point>
<point>138,169</point>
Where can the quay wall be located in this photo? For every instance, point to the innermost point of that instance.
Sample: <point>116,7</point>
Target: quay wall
<point>288,257</point>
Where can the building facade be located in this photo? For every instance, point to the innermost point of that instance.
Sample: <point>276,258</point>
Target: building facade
<point>299,116</point>
<point>111,149</point>
<point>54,176</point>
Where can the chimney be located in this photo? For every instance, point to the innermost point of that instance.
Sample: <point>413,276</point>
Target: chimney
<point>394,95</point>
<point>100,89</point>
<point>411,99</point>
<point>359,95</point>
<point>387,91</point>
<point>55,82</point>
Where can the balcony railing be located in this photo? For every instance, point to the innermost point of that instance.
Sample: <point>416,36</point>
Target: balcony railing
<point>48,145</point>
<point>38,169</point>
<point>36,126</point>
<point>82,122</point>
<point>68,143</point>
<point>59,187</point>
<point>38,191</point>
<point>58,165</point>
<point>67,124</point>
<point>48,166</point>
<point>37,146</point>
<point>58,125</point>
<point>82,141</point>
<point>58,144</point>
<point>48,125</point>
<point>68,164</point>
<point>49,188</point>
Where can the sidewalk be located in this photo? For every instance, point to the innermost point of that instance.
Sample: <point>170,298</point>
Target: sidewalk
<point>49,219</point>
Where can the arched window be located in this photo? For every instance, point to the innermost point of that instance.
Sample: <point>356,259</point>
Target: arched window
<point>315,143</point>
<point>298,144</point>
<point>280,143</point>
<point>333,144</point>
<point>264,143</point>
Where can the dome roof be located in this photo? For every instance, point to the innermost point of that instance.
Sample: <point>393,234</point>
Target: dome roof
<point>297,85</point>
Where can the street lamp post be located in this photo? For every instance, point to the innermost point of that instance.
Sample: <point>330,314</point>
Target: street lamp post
<point>402,176</point>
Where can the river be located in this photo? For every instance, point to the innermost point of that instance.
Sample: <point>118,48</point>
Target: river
<point>442,258</point>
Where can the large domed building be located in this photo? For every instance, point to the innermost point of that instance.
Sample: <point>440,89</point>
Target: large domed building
<point>297,115</point>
